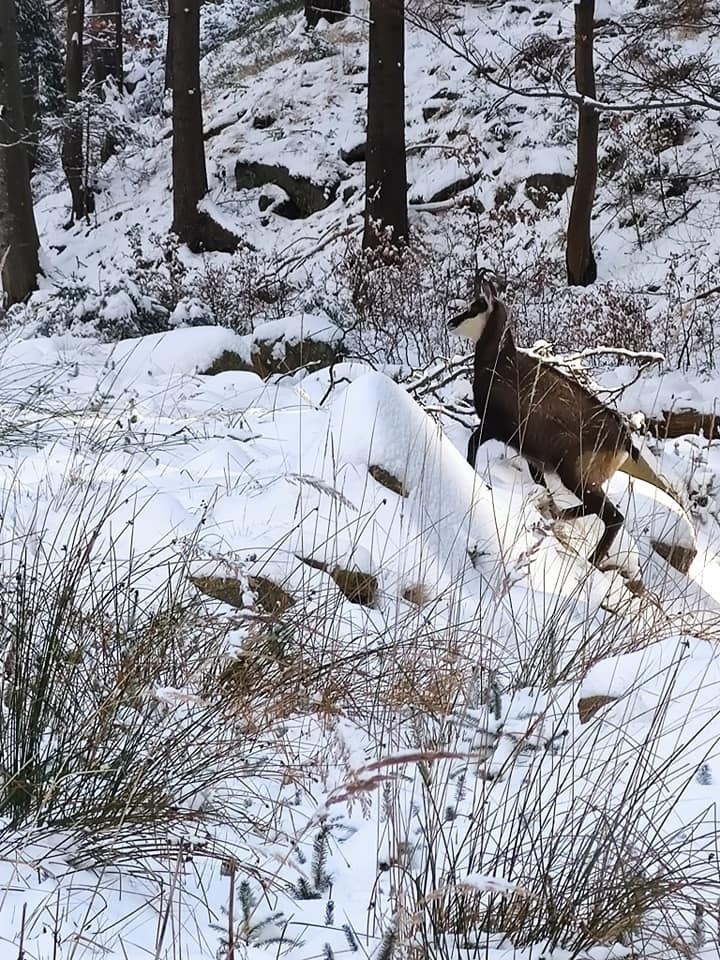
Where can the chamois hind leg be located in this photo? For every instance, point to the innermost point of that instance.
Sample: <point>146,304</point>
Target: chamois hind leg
<point>596,502</point>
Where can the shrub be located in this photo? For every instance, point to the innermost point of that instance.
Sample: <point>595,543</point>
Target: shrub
<point>117,312</point>
<point>233,291</point>
<point>395,307</point>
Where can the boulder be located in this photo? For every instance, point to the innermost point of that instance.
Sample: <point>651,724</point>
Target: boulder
<point>541,187</point>
<point>269,596</point>
<point>303,340</point>
<point>308,196</point>
<point>355,153</point>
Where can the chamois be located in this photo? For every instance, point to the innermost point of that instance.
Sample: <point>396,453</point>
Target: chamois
<point>550,419</point>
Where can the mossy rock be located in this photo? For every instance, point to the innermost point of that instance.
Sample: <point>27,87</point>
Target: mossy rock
<point>281,356</point>
<point>386,479</point>
<point>589,706</point>
<point>232,591</point>
<point>308,196</point>
<point>678,557</point>
<point>228,360</point>
<point>356,586</point>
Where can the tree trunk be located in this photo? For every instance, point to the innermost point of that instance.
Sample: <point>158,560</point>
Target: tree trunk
<point>18,233</point>
<point>168,51</point>
<point>190,184</point>
<point>83,201</point>
<point>581,267</point>
<point>385,167</point>
<point>107,45</point>
<point>330,10</point>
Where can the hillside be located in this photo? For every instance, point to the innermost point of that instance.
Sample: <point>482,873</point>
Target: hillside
<point>283,675</point>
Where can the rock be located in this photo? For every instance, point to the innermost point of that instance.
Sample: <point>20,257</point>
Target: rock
<point>677,423</point>
<point>228,360</point>
<point>355,153</point>
<point>263,121</point>
<point>356,586</point>
<point>445,94</point>
<point>589,706</point>
<point>540,187</point>
<point>275,200</point>
<point>452,189</point>
<point>300,341</point>
<point>417,594</point>
<point>282,357</point>
<point>431,108</point>
<point>232,591</point>
<point>677,556</point>
<point>308,196</point>
<point>381,475</point>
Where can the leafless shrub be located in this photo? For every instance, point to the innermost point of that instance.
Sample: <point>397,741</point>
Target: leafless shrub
<point>543,56</point>
<point>396,307</point>
<point>685,317</point>
<point>237,291</point>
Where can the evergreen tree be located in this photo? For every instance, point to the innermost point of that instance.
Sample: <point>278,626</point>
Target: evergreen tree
<point>580,261</point>
<point>72,154</point>
<point>385,166</point>
<point>107,44</point>
<point>41,68</point>
<point>194,227</point>
<point>18,233</point>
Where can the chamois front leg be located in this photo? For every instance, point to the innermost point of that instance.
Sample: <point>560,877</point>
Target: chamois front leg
<point>487,430</point>
<point>476,438</point>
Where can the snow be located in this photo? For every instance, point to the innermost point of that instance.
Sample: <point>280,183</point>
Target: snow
<point>298,327</point>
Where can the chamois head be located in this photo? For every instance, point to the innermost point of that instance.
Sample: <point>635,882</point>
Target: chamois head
<point>472,321</point>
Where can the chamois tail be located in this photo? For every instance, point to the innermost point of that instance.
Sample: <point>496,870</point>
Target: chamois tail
<point>636,465</point>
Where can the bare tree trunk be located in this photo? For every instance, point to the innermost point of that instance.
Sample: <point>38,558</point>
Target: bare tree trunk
<point>330,10</point>
<point>385,167</point>
<point>18,233</point>
<point>190,183</point>
<point>83,201</point>
<point>168,52</point>
<point>581,266</point>
<point>106,30</point>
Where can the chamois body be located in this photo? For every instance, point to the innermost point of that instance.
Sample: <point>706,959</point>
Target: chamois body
<point>549,418</point>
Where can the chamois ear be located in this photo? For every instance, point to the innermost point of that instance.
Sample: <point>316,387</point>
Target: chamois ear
<point>477,284</point>
<point>489,290</point>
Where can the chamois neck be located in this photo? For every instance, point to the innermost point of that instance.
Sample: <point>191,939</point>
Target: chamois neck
<point>497,334</point>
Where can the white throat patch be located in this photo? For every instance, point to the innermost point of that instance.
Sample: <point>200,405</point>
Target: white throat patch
<point>472,327</point>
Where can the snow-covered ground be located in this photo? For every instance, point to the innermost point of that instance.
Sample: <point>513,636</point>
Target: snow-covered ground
<point>283,675</point>
<point>378,715</point>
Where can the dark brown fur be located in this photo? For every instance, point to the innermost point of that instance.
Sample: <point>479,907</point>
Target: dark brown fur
<point>550,419</point>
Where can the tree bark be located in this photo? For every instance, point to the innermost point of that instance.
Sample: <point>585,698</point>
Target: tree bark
<point>385,166</point>
<point>580,262</point>
<point>83,201</point>
<point>330,10</point>
<point>168,51</point>
<point>106,30</point>
<point>198,230</point>
<point>18,233</point>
